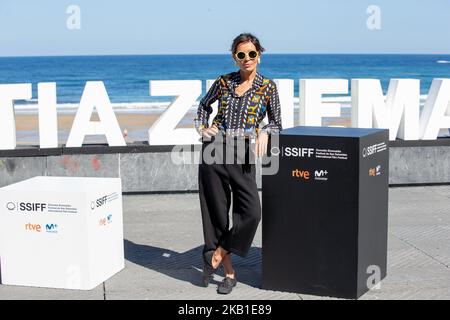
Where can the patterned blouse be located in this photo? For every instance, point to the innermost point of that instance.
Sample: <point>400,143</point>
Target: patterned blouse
<point>241,112</point>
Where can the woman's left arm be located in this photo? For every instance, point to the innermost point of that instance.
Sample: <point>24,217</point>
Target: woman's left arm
<point>273,111</point>
<point>273,108</point>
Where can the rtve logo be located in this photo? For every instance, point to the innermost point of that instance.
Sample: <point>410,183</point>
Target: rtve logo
<point>35,227</point>
<point>105,221</point>
<point>375,171</point>
<point>302,174</point>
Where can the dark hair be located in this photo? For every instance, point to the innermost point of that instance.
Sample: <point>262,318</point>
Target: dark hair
<point>244,37</point>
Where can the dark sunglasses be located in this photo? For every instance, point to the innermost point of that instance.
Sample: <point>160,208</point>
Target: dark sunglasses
<point>241,55</point>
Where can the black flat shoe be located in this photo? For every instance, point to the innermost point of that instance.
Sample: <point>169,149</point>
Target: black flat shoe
<point>208,269</point>
<point>227,285</point>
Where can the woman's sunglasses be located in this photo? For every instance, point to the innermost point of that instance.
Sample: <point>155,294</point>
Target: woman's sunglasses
<point>241,55</point>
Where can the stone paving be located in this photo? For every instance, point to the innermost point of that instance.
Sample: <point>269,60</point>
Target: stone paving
<point>163,241</point>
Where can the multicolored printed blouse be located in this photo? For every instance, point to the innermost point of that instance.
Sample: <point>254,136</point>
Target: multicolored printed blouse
<point>242,112</point>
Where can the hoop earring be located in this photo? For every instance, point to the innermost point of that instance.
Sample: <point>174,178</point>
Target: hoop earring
<point>259,60</point>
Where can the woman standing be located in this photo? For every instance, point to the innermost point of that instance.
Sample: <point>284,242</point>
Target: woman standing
<point>244,96</point>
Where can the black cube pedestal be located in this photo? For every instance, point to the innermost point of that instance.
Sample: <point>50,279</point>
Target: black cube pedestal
<point>324,214</point>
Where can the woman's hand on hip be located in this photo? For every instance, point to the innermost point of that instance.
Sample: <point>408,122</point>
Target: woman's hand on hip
<point>209,132</point>
<point>261,144</point>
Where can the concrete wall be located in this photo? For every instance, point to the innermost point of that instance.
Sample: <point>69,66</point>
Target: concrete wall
<point>151,169</point>
<point>419,165</point>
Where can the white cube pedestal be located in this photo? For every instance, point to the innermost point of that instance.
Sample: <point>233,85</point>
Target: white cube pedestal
<point>61,232</point>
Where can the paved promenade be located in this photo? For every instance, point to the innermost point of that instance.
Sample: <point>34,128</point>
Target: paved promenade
<point>163,253</point>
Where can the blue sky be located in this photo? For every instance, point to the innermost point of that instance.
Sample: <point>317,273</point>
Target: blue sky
<point>38,27</point>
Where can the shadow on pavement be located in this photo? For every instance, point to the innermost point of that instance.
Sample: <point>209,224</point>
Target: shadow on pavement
<point>171,263</point>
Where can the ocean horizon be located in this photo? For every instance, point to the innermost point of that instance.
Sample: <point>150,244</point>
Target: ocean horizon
<point>126,77</point>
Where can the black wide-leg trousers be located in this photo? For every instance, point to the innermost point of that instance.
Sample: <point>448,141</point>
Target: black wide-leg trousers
<point>218,182</point>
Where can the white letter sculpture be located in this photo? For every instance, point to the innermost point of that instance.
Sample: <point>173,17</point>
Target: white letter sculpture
<point>436,112</point>
<point>399,113</point>
<point>312,109</point>
<point>163,131</point>
<point>9,93</point>
<point>95,96</point>
<point>48,120</point>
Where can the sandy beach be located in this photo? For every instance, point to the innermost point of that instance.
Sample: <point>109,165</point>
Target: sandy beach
<point>30,122</point>
<point>135,125</point>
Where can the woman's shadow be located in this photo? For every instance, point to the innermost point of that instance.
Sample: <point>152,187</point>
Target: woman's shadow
<point>187,266</point>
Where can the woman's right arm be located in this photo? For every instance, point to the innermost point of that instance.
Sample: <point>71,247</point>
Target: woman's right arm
<point>204,107</point>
